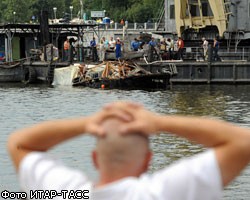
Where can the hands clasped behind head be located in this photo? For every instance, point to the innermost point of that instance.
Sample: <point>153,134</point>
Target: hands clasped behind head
<point>121,153</point>
<point>117,144</point>
<point>125,144</point>
<point>135,118</point>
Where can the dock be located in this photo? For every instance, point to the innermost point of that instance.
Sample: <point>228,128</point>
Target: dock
<point>184,72</point>
<point>226,72</point>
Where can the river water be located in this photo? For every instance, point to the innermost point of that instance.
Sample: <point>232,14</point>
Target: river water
<point>25,105</point>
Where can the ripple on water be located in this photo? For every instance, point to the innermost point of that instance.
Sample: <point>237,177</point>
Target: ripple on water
<point>25,105</point>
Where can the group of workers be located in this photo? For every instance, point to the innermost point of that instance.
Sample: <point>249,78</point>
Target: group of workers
<point>215,49</point>
<point>99,49</point>
<point>167,46</point>
<point>72,46</point>
<point>105,45</point>
<point>166,49</point>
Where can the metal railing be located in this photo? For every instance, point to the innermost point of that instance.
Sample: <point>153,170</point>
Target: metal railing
<point>130,26</point>
<point>241,54</point>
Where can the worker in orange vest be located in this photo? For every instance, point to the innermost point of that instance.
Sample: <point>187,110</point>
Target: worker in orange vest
<point>180,47</point>
<point>66,46</point>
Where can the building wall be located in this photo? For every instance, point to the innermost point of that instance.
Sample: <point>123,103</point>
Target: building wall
<point>170,16</point>
<point>239,20</point>
<point>243,15</point>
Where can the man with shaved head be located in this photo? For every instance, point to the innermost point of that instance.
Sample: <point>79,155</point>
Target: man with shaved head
<point>117,156</point>
<point>122,156</point>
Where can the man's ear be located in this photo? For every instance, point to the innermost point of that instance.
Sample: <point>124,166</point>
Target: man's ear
<point>94,159</point>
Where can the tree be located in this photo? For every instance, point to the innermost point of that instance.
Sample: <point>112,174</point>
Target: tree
<point>17,10</point>
<point>48,5</point>
<point>139,13</point>
<point>131,10</point>
<point>2,8</point>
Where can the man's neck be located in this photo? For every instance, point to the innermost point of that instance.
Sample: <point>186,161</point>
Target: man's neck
<point>109,178</point>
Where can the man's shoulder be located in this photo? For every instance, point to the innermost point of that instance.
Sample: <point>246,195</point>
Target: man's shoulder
<point>41,171</point>
<point>188,174</point>
<point>204,159</point>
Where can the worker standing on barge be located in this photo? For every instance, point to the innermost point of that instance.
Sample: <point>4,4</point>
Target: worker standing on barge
<point>216,47</point>
<point>94,50</point>
<point>118,48</point>
<point>66,46</point>
<point>180,46</point>
<point>205,48</point>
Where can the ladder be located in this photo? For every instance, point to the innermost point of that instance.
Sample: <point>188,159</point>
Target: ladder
<point>227,11</point>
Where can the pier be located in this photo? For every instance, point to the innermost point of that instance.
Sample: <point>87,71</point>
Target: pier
<point>228,72</point>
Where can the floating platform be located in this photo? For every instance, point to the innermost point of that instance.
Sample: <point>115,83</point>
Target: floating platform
<point>187,72</point>
<point>226,72</point>
<point>182,72</point>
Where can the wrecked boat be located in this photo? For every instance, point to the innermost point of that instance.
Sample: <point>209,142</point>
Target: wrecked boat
<point>111,75</point>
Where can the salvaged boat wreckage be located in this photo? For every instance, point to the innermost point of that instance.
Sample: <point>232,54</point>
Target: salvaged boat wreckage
<point>113,74</point>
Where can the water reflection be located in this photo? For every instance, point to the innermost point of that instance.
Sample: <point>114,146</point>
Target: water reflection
<point>199,101</point>
<point>169,148</point>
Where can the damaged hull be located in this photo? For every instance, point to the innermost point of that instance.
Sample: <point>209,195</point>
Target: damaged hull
<point>149,81</point>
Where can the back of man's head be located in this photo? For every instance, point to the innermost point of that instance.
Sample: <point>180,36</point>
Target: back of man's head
<point>119,153</point>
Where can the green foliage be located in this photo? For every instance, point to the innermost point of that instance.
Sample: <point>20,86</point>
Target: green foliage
<point>139,13</point>
<point>48,5</point>
<point>131,10</point>
<point>16,10</point>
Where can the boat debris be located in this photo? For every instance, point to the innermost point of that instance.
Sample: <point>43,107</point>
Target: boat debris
<point>111,74</point>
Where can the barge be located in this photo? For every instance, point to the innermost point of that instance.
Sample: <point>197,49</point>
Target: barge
<point>12,72</point>
<point>191,19</point>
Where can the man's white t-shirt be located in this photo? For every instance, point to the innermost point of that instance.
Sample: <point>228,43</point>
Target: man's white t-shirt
<point>205,45</point>
<point>112,43</point>
<point>195,178</point>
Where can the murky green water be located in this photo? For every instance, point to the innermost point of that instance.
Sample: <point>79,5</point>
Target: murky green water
<point>22,106</point>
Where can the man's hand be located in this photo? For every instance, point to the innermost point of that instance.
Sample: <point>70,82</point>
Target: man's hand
<point>93,123</point>
<point>143,121</point>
